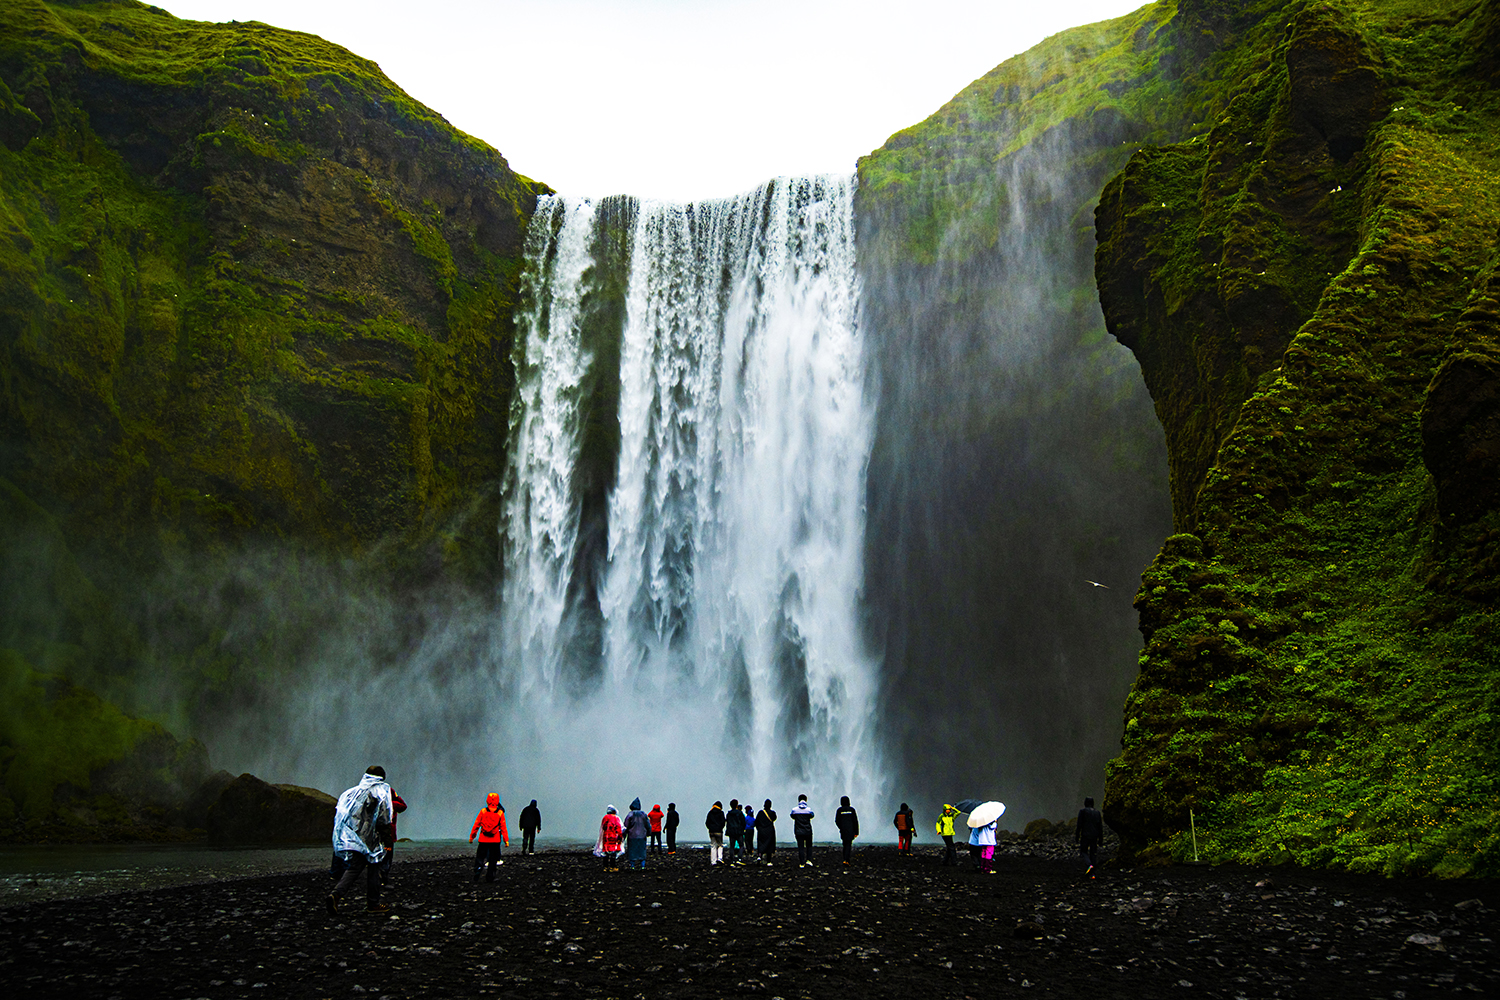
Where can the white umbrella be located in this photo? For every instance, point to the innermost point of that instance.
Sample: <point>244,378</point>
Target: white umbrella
<point>986,813</point>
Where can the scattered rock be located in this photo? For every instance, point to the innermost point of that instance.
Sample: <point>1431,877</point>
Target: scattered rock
<point>1429,941</point>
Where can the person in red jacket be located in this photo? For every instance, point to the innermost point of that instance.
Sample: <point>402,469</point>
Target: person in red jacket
<point>490,828</point>
<point>398,804</point>
<point>655,815</point>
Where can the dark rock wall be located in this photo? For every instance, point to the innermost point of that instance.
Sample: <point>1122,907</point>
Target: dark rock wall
<point>1308,284</point>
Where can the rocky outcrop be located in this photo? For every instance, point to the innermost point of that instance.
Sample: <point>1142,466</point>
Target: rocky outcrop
<point>252,811</point>
<point>1307,286</point>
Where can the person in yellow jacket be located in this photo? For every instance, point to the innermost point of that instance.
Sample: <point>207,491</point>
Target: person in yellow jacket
<point>945,830</point>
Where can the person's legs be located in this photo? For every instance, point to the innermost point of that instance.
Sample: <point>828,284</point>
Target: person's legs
<point>848,849</point>
<point>372,886</point>
<point>672,841</point>
<point>357,863</point>
<point>949,856</point>
<point>987,859</point>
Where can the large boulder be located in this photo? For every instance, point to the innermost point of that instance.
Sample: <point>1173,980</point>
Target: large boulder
<point>252,811</point>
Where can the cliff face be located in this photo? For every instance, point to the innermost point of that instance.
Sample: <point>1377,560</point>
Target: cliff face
<point>229,248</point>
<point>1309,284</point>
<point>251,296</point>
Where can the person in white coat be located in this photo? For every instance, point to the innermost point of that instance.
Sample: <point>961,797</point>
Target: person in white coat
<point>361,823</point>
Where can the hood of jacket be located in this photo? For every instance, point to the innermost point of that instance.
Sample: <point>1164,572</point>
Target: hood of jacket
<point>636,802</point>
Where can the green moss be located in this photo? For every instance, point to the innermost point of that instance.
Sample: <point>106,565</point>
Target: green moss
<point>251,294</point>
<point>1345,718</point>
<point>54,734</point>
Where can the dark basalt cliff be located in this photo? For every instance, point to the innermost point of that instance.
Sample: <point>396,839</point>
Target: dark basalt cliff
<point>1309,284</point>
<point>252,297</point>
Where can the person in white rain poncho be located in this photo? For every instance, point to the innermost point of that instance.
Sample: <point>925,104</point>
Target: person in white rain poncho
<point>360,823</point>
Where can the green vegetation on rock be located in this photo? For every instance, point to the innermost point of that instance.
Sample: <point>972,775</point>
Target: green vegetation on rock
<point>1309,286</point>
<point>252,296</point>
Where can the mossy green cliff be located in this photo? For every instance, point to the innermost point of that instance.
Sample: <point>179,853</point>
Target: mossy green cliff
<point>251,294</point>
<point>1309,284</point>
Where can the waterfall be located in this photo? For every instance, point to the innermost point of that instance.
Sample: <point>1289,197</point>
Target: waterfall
<point>684,510</point>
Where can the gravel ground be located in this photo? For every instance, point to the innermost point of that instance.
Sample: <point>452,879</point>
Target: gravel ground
<point>556,924</point>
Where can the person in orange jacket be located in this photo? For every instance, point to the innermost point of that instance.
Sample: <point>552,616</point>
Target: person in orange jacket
<point>655,815</point>
<point>490,828</point>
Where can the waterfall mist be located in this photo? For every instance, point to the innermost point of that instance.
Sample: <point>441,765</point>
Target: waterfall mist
<point>1016,458</point>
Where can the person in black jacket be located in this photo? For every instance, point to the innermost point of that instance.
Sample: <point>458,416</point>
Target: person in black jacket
<point>847,820</point>
<point>531,825</point>
<point>735,824</point>
<point>714,822</point>
<point>1090,833</point>
<point>671,824</point>
<point>765,831</point>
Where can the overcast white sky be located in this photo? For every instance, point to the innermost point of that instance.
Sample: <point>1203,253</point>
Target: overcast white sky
<point>679,99</point>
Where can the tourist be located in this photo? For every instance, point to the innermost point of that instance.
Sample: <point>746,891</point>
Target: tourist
<point>905,823</point>
<point>531,825</point>
<point>765,831</point>
<point>673,819</point>
<point>361,820</point>
<point>945,830</point>
<point>611,840</point>
<point>655,815</point>
<point>1090,832</point>
<point>714,822</point>
<point>847,820</point>
<point>748,854</point>
<point>802,817</point>
<point>734,825</point>
<point>974,847</point>
<point>398,806</point>
<point>637,830</point>
<point>489,825</point>
<point>986,842</point>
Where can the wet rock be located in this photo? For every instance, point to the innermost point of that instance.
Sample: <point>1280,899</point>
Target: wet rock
<point>1429,941</point>
<point>252,811</point>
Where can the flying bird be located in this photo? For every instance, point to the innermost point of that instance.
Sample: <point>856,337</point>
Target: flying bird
<point>1098,584</point>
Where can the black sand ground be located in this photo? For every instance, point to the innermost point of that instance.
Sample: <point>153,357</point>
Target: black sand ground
<point>557,925</point>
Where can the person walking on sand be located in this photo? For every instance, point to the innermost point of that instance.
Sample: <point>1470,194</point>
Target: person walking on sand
<point>361,822</point>
<point>986,840</point>
<point>637,831</point>
<point>1090,832</point>
<point>714,822</point>
<point>847,820</point>
<point>734,826</point>
<point>802,817</point>
<point>673,819</point>
<point>531,825</point>
<point>611,842</point>
<point>489,826</point>
<point>656,815</point>
<point>945,830</point>
<point>765,831</point>
<point>905,823</point>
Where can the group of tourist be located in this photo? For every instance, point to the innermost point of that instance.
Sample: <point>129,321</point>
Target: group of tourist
<point>364,834</point>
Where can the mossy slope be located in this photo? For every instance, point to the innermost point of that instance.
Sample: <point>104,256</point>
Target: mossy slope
<point>1310,289</point>
<point>252,296</point>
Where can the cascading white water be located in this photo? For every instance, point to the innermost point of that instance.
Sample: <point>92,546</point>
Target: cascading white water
<point>730,660</point>
<point>541,516</point>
